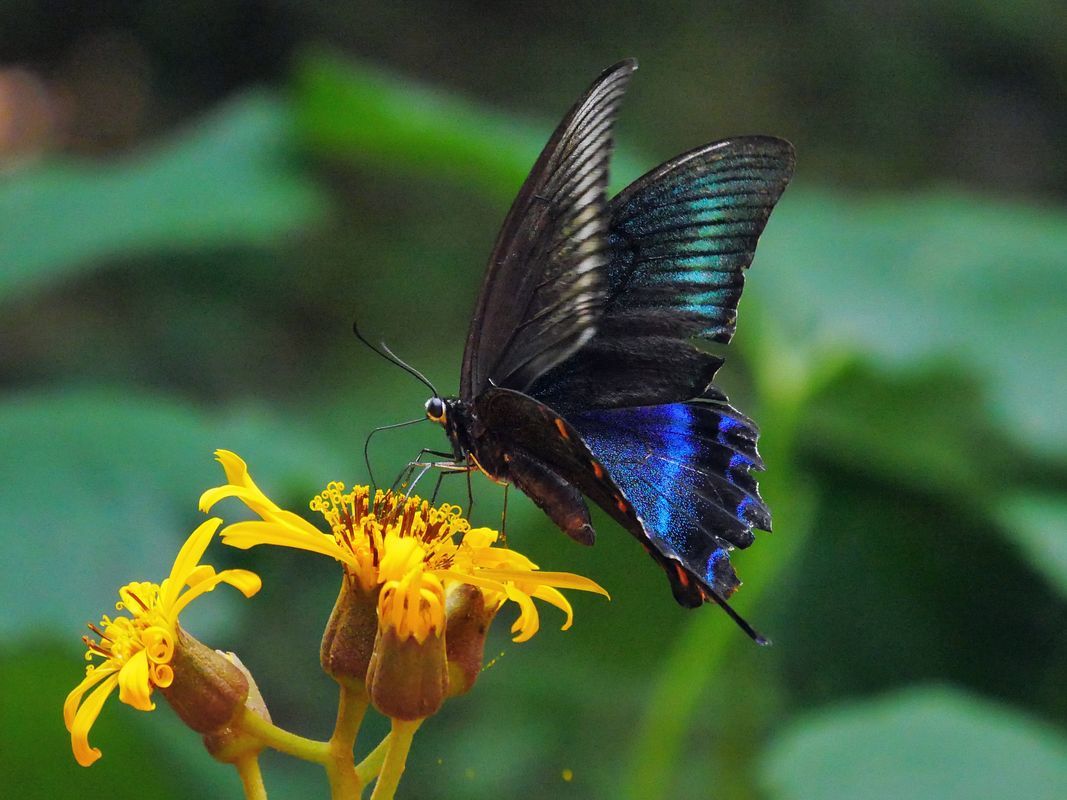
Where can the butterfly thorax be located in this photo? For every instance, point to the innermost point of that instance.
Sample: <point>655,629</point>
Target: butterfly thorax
<point>471,441</point>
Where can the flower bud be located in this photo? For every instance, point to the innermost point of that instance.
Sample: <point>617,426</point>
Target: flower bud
<point>348,641</point>
<point>230,743</point>
<point>208,691</point>
<point>468,623</point>
<point>407,679</point>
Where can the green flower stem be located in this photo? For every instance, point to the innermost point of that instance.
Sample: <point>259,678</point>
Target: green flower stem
<point>368,768</point>
<point>251,778</point>
<point>396,757</point>
<point>345,782</point>
<point>283,741</point>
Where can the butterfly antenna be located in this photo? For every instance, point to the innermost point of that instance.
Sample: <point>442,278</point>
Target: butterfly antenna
<point>399,361</point>
<point>366,447</point>
<point>393,358</point>
<point>753,634</point>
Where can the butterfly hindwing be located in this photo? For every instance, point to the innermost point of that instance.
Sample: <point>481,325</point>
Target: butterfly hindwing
<point>529,431</point>
<point>675,476</point>
<point>547,274</point>
<point>686,469</point>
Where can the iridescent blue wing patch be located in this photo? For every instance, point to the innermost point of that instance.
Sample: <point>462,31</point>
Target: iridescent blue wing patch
<point>686,469</point>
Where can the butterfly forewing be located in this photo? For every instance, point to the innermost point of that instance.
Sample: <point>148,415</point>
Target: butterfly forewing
<point>680,239</point>
<point>547,275</point>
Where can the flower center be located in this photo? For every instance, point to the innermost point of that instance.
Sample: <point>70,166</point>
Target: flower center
<point>119,639</point>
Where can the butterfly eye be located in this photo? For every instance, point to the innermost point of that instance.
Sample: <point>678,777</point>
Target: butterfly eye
<point>435,409</point>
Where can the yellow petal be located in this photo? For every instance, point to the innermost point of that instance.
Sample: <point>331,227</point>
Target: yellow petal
<point>202,572</point>
<point>528,621</point>
<point>244,535</point>
<point>499,558</point>
<point>84,719</point>
<point>187,559</point>
<point>253,498</point>
<point>235,468</point>
<point>248,583</point>
<point>134,687</point>
<point>480,537</point>
<point>476,579</point>
<point>245,581</point>
<point>561,580</point>
<point>553,596</point>
<point>241,485</point>
<point>92,677</point>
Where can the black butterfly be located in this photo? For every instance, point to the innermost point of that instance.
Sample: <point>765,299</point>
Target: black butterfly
<point>579,376</point>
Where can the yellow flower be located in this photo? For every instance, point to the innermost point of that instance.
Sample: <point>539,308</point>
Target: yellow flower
<point>408,551</point>
<point>138,649</point>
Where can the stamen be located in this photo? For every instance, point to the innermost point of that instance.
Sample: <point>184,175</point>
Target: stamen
<point>96,647</point>
<point>102,634</point>
<point>140,602</point>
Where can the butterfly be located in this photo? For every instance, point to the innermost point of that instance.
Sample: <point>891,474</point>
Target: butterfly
<point>580,378</point>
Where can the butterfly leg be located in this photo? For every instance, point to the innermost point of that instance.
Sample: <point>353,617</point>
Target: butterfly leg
<point>440,479</point>
<point>446,467</point>
<point>415,463</point>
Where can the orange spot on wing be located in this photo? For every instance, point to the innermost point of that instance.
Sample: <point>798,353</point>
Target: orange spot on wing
<point>562,428</point>
<point>622,505</point>
<point>598,470</point>
<point>683,576</point>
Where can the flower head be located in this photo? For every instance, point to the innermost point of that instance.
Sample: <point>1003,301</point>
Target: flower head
<point>406,550</point>
<point>137,648</point>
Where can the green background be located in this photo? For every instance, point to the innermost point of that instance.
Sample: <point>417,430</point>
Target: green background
<point>197,199</point>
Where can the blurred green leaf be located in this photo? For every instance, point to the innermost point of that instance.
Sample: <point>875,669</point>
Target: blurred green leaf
<point>228,180</point>
<point>37,763</point>
<point>366,114</point>
<point>907,278</point>
<point>355,110</point>
<point>902,584</point>
<point>1038,525</point>
<point>948,447</point>
<point>933,743</point>
<point>102,488</point>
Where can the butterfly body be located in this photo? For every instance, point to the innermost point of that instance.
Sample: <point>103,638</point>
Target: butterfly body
<point>580,379</point>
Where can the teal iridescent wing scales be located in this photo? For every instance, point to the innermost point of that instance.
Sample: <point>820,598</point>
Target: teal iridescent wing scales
<point>682,235</point>
<point>680,239</point>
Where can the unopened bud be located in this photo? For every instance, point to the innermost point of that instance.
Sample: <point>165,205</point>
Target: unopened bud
<point>348,642</point>
<point>230,743</point>
<point>208,691</point>
<point>407,679</point>
<point>468,623</point>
